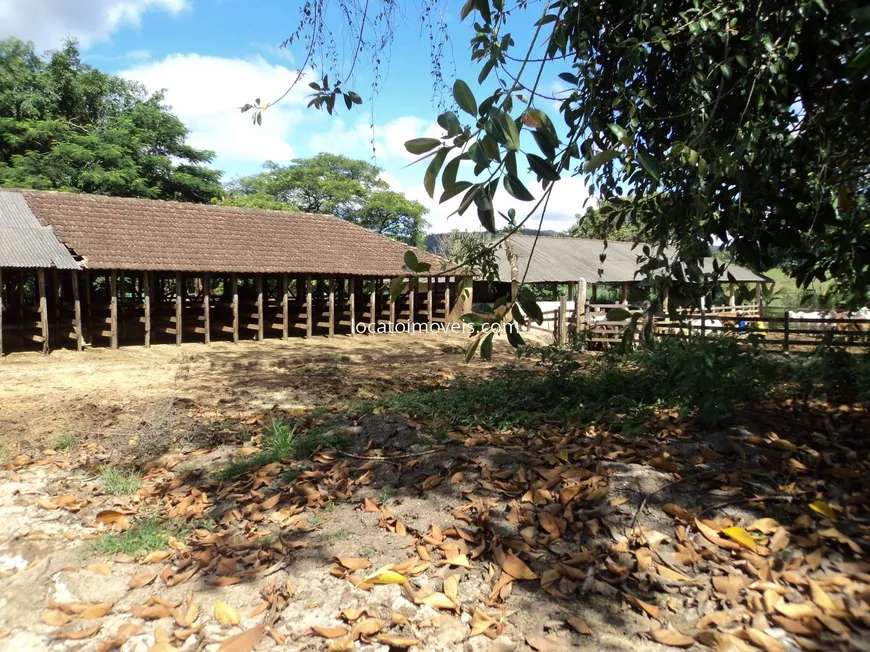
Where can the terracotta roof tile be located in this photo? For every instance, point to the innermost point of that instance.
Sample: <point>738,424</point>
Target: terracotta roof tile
<point>143,234</point>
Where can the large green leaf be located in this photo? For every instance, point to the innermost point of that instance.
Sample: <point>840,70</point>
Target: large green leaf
<point>397,288</point>
<point>516,188</point>
<point>486,347</point>
<point>432,171</point>
<point>649,163</point>
<point>411,260</point>
<point>600,159</point>
<point>421,145</point>
<point>464,97</point>
<point>617,314</point>
<point>542,167</point>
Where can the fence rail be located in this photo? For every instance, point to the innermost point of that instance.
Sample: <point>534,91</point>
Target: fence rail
<point>740,322</point>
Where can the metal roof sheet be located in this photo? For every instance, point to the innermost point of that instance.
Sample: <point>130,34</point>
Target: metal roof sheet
<point>24,242</point>
<point>564,259</point>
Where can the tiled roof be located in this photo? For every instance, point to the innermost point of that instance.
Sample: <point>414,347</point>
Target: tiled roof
<point>24,242</point>
<point>143,234</point>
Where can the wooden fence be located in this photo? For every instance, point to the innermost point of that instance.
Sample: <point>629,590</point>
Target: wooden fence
<point>742,322</point>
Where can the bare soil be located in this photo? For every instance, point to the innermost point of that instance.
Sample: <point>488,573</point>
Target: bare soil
<point>270,543</point>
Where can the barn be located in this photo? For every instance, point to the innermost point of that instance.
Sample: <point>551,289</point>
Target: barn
<point>82,270</point>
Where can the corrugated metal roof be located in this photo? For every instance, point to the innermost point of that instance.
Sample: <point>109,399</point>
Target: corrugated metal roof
<point>24,242</point>
<point>560,260</point>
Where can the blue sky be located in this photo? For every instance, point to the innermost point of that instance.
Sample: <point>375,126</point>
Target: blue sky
<point>212,56</point>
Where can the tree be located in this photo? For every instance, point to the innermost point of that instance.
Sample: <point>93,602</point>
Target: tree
<point>328,183</point>
<point>725,121</point>
<point>595,225</point>
<point>67,126</point>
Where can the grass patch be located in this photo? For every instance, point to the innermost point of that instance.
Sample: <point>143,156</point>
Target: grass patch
<point>282,441</point>
<point>64,443</point>
<point>120,482</point>
<point>337,535</point>
<point>384,494</point>
<point>147,535</point>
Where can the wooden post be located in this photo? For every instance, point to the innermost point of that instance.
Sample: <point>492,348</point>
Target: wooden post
<point>392,312</point>
<point>88,308</point>
<point>113,307</point>
<point>43,310</point>
<point>563,323</point>
<point>785,329</point>
<point>285,307</point>
<point>447,300</point>
<point>429,306</point>
<point>352,303</point>
<point>1,312</point>
<point>21,304</point>
<point>703,304</point>
<point>260,310</point>
<point>234,289</point>
<point>732,298</point>
<point>758,298</point>
<point>703,323</point>
<point>666,300</point>
<point>146,284</point>
<point>625,287</point>
<point>77,311</point>
<point>373,305</point>
<point>331,306</point>
<point>580,304</point>
<point>206,305</point>
<point>514,289</point>
<point>122,328</point>
<point>308,307</point>
<point>411,307</point>
<point>571,291</point>
<point>594,292</point>
<point>179,307</point>
<point>55,294</point>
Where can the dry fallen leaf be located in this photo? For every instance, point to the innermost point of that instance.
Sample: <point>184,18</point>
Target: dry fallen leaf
<point>741,536</point>
<point>244,642</point>
<point>54,617</point>
<point>385,576</point>
<point>353,563</point>
<point>330,632</point>
<point>646,607</point>
<point>341,645</point>
<point>516,568</point>
<point>672,638</point>
<point>102,569</point>
<point>142,579</point>
<point>366,628</point>
<point>823,508</point>
<point>96,610</point>
<point>398,641</point>
<point>225,614</point>
<point>580,626</point>
<point>77,634</point>
<point>124,633</point>
<point>438,601</point>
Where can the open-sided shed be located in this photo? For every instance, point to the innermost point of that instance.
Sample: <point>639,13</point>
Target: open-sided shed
<point>96,270</point>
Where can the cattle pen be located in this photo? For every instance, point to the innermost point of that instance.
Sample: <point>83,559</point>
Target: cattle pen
<point>80,270</point>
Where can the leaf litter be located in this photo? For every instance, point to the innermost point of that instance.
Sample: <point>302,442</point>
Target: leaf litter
<point>756,540</point>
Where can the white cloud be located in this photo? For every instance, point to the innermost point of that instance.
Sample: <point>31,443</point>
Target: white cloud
<point>206,93</point>
<point>49,22</point>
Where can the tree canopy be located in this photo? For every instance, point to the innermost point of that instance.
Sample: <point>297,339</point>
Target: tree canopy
<point>65,125</point>
<point>328,183</point>
<point>595,225</point>
<point>725,121</point>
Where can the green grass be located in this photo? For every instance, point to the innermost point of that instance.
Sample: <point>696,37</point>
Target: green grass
<point>148,534</point>
<point>64,443</point>
<point>282,441</point>
<point>384,494</point>
<point>337,535</point>
<point>120,482</point>
<point>317,520</point>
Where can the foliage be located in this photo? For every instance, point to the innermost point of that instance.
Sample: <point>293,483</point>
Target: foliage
<point>67,126</point>
<point>120,482</point>
<point>594,225</point>
<point>148,534</point>
<point>834,371</point>
<point>723,121</point>
<point>329,183</point>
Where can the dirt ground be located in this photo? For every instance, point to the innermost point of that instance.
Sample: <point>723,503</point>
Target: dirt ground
<point>562,538</point>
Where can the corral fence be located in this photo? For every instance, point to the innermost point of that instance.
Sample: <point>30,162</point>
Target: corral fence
<point>743,322</point>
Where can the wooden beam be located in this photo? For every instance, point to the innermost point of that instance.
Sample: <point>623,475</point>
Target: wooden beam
<point>580,305</point>
<point>411,294</point>
<point>234,289</point>
<point>55,295</point>
<point>392,311</point>
<point>43,310</point>
<point>308,306</point>
<point>77,311</point>
<point>594,292</point>
<point>179,307</point>
<point>447,300</point>
<point>88,307</point>
<point>113,307</point>
<point>429,307</point>
<point>758,298</point>
<point>352,305</point>
<point>373,304</point>
<point>206,305</point>
<point>625,287</point>
<point>732,297</point>
<point>285,307</point>
<point>146,283</point>
<point>1,312</point>
<point>331,306</point>
<point>260,310</point>
<point>666,303</point>
<point>21,304</point>
<point>122,295</point>
<point>563,322</point>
